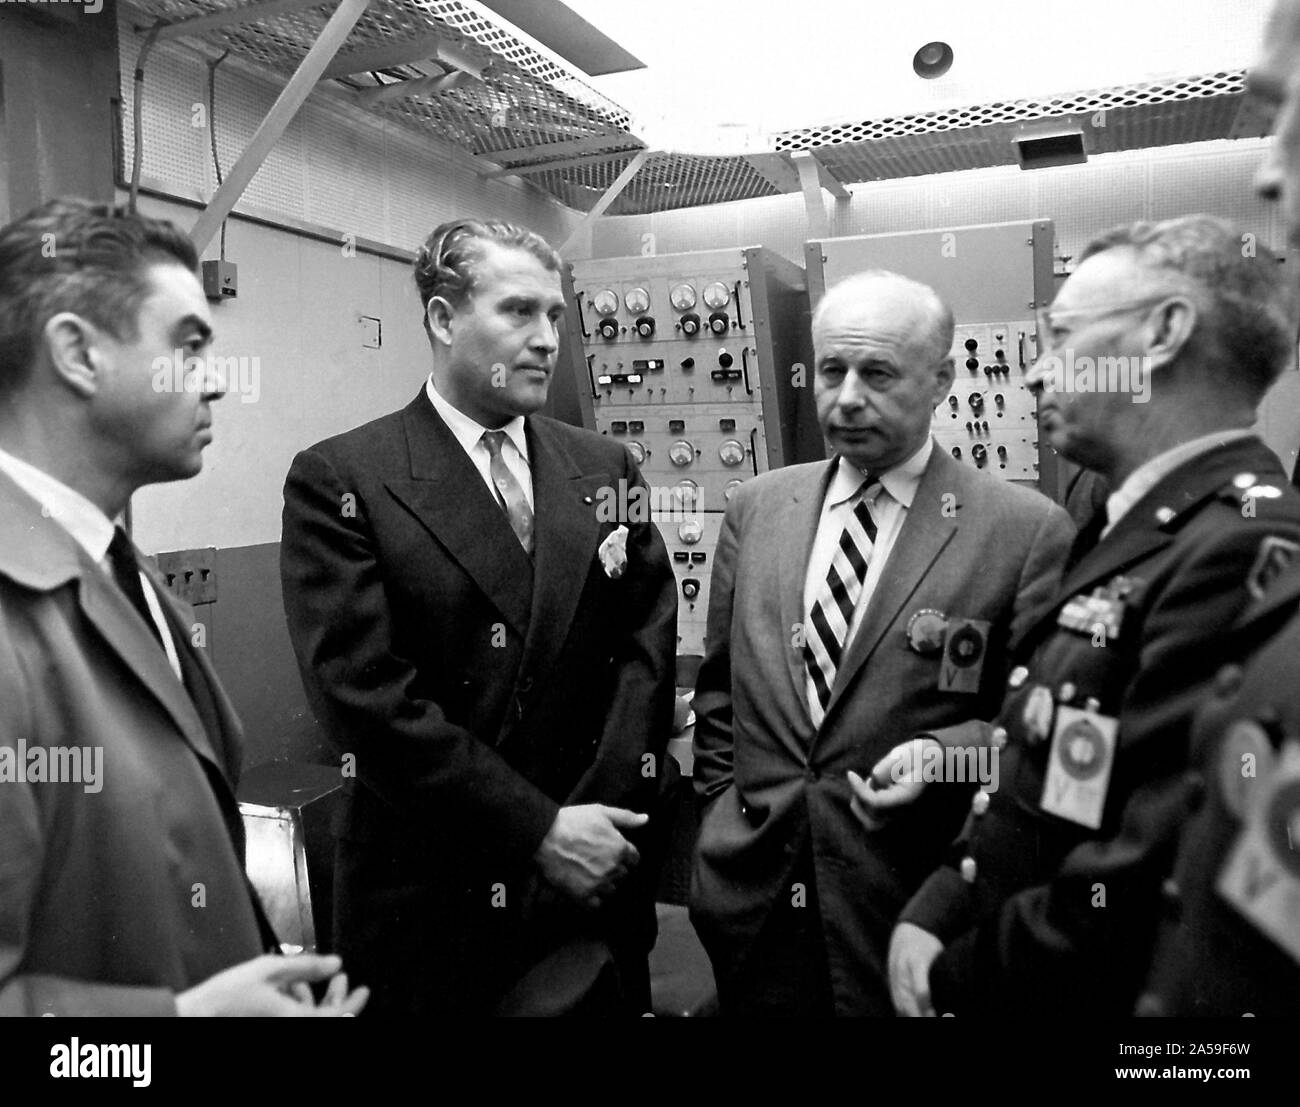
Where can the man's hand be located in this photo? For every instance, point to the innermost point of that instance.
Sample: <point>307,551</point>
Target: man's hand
<point>911,953</point>
<point>270,985</point>
<point>895,781</point>
<point>584,854</point>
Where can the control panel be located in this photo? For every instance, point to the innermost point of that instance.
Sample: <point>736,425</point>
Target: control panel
<point>701,365</point>
<point>990,418</point>
<point>993,277</point>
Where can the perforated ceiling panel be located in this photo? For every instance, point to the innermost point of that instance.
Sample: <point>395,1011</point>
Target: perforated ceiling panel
<point>335,167</point>
<point>527,110</point>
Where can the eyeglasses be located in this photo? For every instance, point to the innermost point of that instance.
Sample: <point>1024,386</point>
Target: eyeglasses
<point>1046,318</point>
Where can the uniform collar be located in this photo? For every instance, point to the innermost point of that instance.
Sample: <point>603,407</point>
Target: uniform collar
<point>1150,473</point>
<point>467,431</point>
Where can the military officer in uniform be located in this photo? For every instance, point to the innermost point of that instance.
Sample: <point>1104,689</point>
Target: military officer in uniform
<point>1229,936</point>
<point>1050,898</point>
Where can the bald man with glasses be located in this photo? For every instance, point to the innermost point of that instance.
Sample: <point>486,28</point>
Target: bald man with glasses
<point>1155,356</point>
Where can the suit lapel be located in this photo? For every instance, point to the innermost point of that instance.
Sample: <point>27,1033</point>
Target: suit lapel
<point>802,514</point>
<point>926,530</point>
<point>565,544</point>
<point>119,624</point>
<point>216,713</point>
<point>447,494</point>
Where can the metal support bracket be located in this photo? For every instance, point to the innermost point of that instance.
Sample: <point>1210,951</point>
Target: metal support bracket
<point>611,194</point>
<point>278,118</point>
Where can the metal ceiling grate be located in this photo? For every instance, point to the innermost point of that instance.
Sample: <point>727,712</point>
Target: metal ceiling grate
<point>1019,111</point>
<point>527,110</point>
<point>524,99</point>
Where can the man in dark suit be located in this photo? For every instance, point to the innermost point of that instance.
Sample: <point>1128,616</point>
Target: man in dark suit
<point>1050,898</point>
<point>122,889</point>
<point>1229,935</point>
<point>803,690</point>
<point>490,647</point>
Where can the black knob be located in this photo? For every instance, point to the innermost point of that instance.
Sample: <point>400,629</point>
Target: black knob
<point>718,322</point>
<point>688,363</point>
<point>608,328</point>
<point>997,399</point>
<point>690,588</point>
<point>956,452</point>
<point>972,345</point>
<point>979,453</point>
<point>690,324</point>
<point>645,326</point>
<point>725,359</point>
<point>976,402</point>
<point>953,402</point>
<point>972,364</point>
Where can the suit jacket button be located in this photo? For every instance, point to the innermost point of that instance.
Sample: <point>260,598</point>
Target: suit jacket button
<point>968,870</point>
<point>1227,680</point>
<point>998,737</point>
<point>980,802</point>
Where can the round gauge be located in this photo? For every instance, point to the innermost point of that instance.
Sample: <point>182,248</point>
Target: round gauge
<point>681,453</point>
<point>716,295</point>
<point>637,451</point>
<point>605,301</point>
<point>731,452</point>
<point>682,296</point>
<point>732,485</point>
<point>636,300</point>
<point>686,494</point>
<point>690,532</point>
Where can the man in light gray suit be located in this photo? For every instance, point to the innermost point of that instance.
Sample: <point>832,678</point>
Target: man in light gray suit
<point>856,604</point>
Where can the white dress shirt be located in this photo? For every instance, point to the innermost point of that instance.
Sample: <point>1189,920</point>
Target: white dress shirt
<point>888,510</point>
<point>1150,473</point>
<point>470,436</point>
<point>90,528</point>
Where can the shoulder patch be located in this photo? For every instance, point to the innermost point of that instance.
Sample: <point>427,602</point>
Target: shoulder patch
<point>1275,554</point>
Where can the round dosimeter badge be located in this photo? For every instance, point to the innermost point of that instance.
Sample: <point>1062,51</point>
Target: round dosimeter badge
<point>1081,750</point>
<point>1283,827</point>
<point>925,631</point>
<point>965,646</point>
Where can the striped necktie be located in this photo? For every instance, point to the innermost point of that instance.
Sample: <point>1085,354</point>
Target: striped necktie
<point>827,632</point>
<point>510,491</point>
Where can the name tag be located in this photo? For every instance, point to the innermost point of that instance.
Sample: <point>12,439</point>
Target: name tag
<point>1079,765</point>
<point>964,649</point>
<point>1261,877</point>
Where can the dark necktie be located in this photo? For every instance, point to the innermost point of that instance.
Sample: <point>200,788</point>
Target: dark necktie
<point>126,571</point>
<point>510,491</point>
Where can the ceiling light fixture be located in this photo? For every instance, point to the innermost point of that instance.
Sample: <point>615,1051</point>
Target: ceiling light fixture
<point>934,59</point>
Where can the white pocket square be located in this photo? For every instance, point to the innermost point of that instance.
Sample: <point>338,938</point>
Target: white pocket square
<point>613,553</point>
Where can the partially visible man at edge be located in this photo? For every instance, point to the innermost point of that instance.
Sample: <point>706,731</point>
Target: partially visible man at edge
<point>100,905</point>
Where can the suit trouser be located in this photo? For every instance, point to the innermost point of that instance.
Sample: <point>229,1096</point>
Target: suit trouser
<point>785,971</point>
<point>423,952</point>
